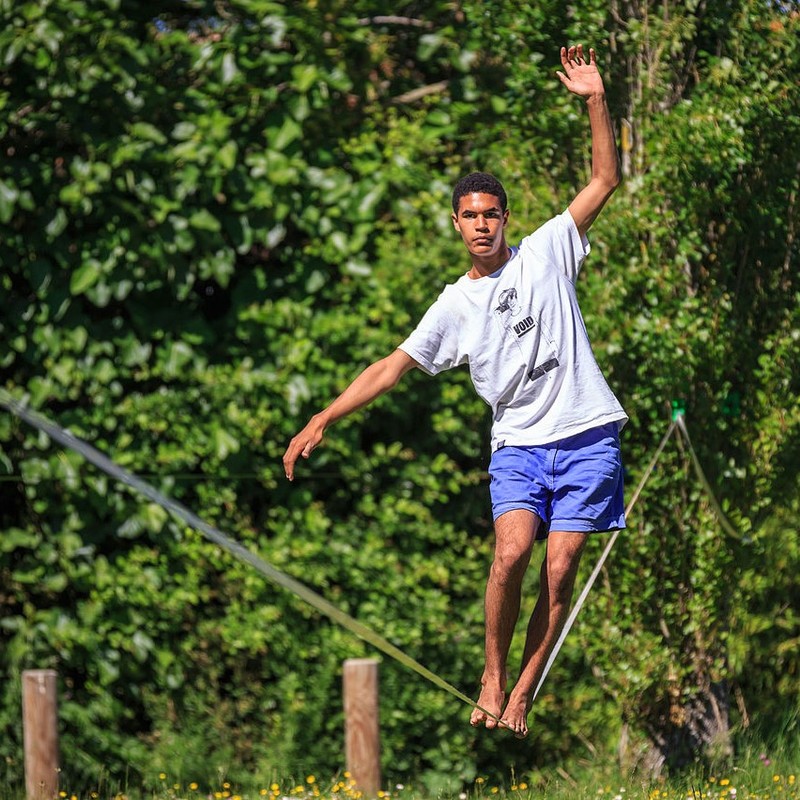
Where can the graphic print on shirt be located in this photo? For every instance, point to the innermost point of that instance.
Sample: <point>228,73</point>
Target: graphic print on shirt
<point>509,307</point>
<point>509,304</point>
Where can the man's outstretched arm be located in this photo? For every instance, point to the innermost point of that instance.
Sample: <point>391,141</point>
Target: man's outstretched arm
<point>376,379</point>
<point>582,78</point>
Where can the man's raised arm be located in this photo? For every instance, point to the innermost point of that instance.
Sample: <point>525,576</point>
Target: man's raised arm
<point>376,379</point>
<point>582,78</point>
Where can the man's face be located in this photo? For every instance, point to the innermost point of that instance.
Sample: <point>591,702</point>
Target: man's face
<point>481,223</point>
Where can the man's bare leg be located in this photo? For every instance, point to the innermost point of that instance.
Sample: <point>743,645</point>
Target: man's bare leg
<point>515,533</point>
<point>559,569</point>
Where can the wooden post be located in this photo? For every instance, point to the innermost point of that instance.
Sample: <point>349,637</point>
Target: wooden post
<point>362,733</point>
<point>40,733</point>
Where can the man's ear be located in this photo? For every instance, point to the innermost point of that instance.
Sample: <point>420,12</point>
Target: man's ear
<point>505,218</point>
<point>454,217</point>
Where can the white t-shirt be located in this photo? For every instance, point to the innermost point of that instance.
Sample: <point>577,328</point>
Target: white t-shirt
<point>522,334</point>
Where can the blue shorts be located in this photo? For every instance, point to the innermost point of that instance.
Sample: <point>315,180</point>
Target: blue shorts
<point>574,484</point>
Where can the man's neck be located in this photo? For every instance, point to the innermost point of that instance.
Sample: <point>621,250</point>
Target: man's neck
<point>481,267</point>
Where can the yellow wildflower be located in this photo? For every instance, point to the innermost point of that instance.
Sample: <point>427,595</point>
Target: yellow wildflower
<point>193,786</point>
<point>311,779</point>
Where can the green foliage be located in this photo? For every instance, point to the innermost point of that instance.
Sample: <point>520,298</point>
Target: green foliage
<point>212,218</point>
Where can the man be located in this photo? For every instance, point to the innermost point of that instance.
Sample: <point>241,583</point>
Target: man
<point>555,467</point>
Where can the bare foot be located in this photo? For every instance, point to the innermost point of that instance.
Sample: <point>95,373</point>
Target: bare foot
<point>515,715</point>
<point>491,699</point>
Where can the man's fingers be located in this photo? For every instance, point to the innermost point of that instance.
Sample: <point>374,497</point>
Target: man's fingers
<point>290,457</point>
<point>565,59</point>
<point>288,463</point>
<point>299,446</point>
<point>573,56</point>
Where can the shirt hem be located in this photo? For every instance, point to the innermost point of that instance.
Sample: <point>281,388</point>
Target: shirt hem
<point>514,440</point>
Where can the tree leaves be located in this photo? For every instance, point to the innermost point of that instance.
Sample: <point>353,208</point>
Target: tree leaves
<point>212,221</point>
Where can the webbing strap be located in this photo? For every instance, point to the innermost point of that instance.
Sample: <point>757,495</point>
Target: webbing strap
<point>679,423</point>
<point>102,462</point>
<point>720,514</point>
<point>322,605</point>
<point>596,571</point>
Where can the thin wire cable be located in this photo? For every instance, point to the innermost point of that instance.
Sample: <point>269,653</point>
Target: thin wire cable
<point>272,574</point>
<point>596,571</point>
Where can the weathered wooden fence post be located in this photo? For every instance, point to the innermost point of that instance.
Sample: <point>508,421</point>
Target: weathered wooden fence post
<point>361,724</point>
<point>40,733</point>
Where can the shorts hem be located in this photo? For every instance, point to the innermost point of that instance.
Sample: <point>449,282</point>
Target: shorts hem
<point>515,505</point>
<point>586,525</point>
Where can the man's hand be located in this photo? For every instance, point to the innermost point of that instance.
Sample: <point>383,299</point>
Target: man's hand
<point>303,444</point>
<point>376,379</point>
<point>580,76</point>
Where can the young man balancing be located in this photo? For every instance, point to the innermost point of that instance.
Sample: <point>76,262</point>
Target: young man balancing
<point>555,467</point>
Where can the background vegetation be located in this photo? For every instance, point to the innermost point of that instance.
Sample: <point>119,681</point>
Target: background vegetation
<point>214,214</point>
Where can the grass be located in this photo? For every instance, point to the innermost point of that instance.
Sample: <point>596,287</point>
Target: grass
<point>759,783</point>
<point>758,772</point>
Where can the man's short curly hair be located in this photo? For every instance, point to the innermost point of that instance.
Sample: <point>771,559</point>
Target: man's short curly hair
<point>481,182</point>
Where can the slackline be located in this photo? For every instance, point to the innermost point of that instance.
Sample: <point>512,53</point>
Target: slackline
<point>723,519</point>
<point>274,575</point>
<point>102,462</point>
<point>678,423</point>
<point>596,571</point>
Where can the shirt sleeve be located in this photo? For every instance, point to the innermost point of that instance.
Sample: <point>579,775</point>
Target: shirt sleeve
<point>434,343</point>
<point>560,243</point>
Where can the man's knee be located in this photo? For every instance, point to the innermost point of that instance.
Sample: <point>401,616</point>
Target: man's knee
<point>510,563</point>
<point>559,570</point>
<point>515,533</point>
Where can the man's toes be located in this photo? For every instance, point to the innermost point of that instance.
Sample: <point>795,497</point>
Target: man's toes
<point>477,717</point>
<point>519,729</point>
